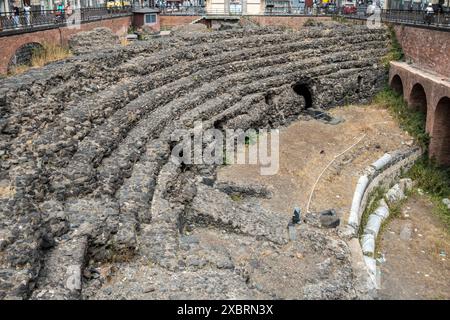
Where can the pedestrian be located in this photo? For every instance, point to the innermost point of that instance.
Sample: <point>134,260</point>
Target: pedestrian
<point>315,9</point>
<point>68,9</point>
<point>16,14</point>
<point>429,12</point>
<point>60,11</point>
<point>27,12</point>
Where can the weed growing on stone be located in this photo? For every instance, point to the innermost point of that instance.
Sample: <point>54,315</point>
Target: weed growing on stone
<point>375,196</point>
<point>435,181</point>
<point>395,52</point>
<point>339,19</point>
<point>48,53</point>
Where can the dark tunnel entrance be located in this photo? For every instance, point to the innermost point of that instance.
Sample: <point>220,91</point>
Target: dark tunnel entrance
<point>303,90</point>
<point>418,98</point>
<point>23,55</point>
<point>397,85</point>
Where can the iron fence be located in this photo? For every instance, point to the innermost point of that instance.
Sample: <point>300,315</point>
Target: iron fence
<point>414,17</point>
<point>56,18</point>
<point>238,10</point>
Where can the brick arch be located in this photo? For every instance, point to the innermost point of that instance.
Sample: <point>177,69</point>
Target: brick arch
<point>440,137</point>
<point>23,54</point>
<point>9,44</point>
<point>418,98</point>
<point>397,84</point>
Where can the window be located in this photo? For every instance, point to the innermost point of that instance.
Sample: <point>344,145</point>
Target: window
<point>150,18</point>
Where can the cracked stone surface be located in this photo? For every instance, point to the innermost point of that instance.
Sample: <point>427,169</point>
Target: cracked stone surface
<point>91,205</point>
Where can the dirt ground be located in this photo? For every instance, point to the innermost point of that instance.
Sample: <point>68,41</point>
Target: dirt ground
<point>417,268</point>
<point>307,146</point>
<point>415,247</point>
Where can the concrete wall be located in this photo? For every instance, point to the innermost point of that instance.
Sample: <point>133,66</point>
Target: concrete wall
<point>426,47</point>
<point>9,44</point>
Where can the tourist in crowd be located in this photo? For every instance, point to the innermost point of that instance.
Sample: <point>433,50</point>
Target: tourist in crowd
<point>16,14</point>
<point>60,11</point>
<point>68,9</point>
<point>27,12</point>
<point>429,12</point>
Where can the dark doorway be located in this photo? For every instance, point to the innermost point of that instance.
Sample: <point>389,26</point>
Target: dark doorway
<point>397,84</point>
<point>23,55</point>
<point>303,90</point>
<point>440,138</point>
<point>418,98</point>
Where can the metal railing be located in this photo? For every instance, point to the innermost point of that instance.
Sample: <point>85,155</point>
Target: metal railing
<point>413,17</point>
<point>55,18</point>
<point>238,11</point>
<point>183,10</point>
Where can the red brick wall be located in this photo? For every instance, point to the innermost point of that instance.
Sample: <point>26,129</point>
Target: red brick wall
<point>426,47</point>
<point>168,22</point>
<point>9,44</point>
<point>287,21</point>
<point>138,21</point>
<point>438,103</point>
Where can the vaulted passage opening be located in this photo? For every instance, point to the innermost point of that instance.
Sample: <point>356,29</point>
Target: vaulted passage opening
<point>397,84</point>
<point>23,55</point>
<point>303,90</point>
<point>440,138</point>
<point>418,98</point>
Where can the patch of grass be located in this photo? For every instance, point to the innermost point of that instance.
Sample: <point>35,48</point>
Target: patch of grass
<point>131,29</point>
<point>375,196</point>
<point>19,69</point>
<point>435,181</point>
<point>124,42</point>
<point>49,53</point>
<point>312,23</point>
<point>236,197</point>
<point>339,19</point>
<point>395,51</point>
<point>41,56</point>
<point>409,120</point>
<point>429,177</point>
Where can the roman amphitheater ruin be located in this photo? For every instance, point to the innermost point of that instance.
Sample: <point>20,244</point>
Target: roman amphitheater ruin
<point>89,194</point>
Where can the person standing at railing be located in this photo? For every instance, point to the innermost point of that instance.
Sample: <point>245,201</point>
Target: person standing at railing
<point>60,11</point>
<point>27,12</point>
<point>16,15</point>
<point>68,9</point>
<point>429,13</point>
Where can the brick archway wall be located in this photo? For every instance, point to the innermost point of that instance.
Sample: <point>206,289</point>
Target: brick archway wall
<point>10,44</point>
<point>418,98</point>
<point>440,137</point>
<point>437,93</point>
<point>396,84</point>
